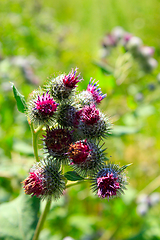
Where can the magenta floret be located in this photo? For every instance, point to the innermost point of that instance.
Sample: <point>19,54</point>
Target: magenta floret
<point>95,91</point>
<point>71,79</point>
<point>45,105</point>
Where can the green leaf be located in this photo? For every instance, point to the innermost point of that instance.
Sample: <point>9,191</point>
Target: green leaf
<point>18,218</point>
<point>73,176</point>
<point>21,103</point>
<point>124,167</point>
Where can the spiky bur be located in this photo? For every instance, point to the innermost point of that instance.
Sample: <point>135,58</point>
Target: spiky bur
<point>44,181</point>
<point>67,116</point>
<point>56,143</point>
<point>94,89</point>
<point>93,95</point>
<point>62,86</point>
<point>42,108</point>
<point>92,123</point>
<point>86,157</point>
<point>110,181</point>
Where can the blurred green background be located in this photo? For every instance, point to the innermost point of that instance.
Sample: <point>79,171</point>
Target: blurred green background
<point>41,38</point>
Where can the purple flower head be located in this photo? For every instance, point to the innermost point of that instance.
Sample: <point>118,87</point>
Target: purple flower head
<point>110,181</point>
<point>107,185</point>
<point>33,184</point>
<point>71,79</point>
<point>45,105</point>
<point>86,157</point>
<point>41,108</point>
<point>57,141</point>
<point>90,114</point>
<point>44,181</point>
<point>95,91</point>
<point>78,152</point>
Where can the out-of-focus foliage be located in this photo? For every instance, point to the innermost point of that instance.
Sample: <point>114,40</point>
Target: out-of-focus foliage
<point>40,38</point>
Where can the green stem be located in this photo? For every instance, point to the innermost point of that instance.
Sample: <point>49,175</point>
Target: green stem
<point>76,183</point>
<point>35,133</point>
<point>41,220</point>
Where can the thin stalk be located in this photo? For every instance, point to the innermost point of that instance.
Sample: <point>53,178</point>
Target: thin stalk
<point>35,133</point>
<point>41,220</point>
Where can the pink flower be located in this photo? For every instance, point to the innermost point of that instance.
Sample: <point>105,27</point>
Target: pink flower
<point>45,105</point>
<point>95,91</point>
<point>33,184</point>
<point>107,185</point>
<point>71,79</point>
<point>79,152</point>
<point>90,114</point>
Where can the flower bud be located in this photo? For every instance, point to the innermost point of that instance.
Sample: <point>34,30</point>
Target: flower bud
<point>62,86</point>
<point>109,182</point>
<point>71,79</point>
<point>44,181</point>
<point>95,91</point>
<point>118,33</point>
<point>133,45</point>
<point>66,116</point>
<point>146,52</point>
<point>93,124</point>
<point>86,157</point>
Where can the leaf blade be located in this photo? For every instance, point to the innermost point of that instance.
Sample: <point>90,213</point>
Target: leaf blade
<point>21,103</point>
<point>73,176</point>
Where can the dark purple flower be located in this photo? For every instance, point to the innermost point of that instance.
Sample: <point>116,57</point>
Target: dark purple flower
<point>57,141</point>
<point>110,181</point>
<point>95,91</point>
<point>107,185</point>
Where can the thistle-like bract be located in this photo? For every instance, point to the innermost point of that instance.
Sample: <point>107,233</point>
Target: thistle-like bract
<point>86,157</point>
<point>61,87</point>
<point>110,181</point>
<point>45,180</point>
<point>42,108</point>
<point>56,143</point>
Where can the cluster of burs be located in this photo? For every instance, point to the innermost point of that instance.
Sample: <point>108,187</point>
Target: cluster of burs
<point>132,44</point>
<point>74,132</point>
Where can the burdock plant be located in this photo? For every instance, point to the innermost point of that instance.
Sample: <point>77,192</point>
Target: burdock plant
<point>73,132</point>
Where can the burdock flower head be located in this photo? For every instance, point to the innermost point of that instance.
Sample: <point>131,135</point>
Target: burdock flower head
<point>56,143</point>
<point>92,123</point>
<point>86,157</point>
<point>97,95</point>
<point>71,79</point>
<point>62,86</point>
<point>93,95</point>
<point>90,114</point>
<point>110,181</point>
<point>44,181</point>
<point>42,109</point>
